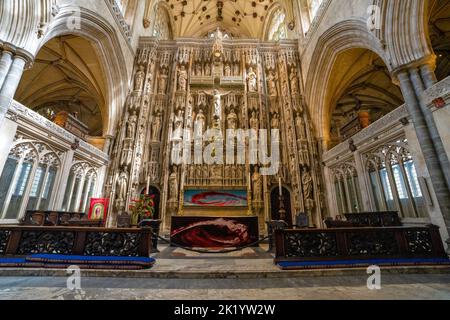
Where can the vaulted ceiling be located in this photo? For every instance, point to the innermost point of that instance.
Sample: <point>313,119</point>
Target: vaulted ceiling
<point>66,76</point>
<point>439,28</point>
<point>361,81</point>
<point>241,18</point>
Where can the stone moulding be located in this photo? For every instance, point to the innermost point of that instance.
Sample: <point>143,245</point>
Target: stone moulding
<point>382,125</point>
<point>18,111</point>
<point>315,23</point>
<point>439,90</point>
<point>118,16</point>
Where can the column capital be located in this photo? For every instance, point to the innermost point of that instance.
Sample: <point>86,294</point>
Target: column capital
<point>18,53</point>
<point>429,60</point>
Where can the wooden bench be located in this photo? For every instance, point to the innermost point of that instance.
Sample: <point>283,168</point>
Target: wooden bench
<point>27,240</point>
<point>58,218</point>
<point>358,243</point>
<point>366,219</point>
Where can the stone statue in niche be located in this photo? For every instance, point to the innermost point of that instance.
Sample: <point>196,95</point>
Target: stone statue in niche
<point>285,89</point>
<point>173,185</point>
<point>271,84</point>
<point>198,69</point>
<point>200,123</point>
<point>227,70</point>
<point>294,81</point>
<point>252,80</point>
<point>237,69</point>
<point>182,78</point>
<point>257,185</point>
<point>127,154</point>
<point>207,69</point>
<point>156,126</point>
<point>254,121</point>
<point>131,125</point>
<point>232,120</point>
<point>300,124</point>
<point>178,126</point>
<point>162,82</point>
<point>275,123</point>
<point>122,185</point>
<point>139,79</point>
<point>307,184</point>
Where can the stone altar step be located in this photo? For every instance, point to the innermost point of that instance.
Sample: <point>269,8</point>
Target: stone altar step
<point>219,269</point>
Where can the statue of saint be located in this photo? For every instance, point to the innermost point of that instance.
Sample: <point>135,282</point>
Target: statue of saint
<point>271,84</point>
<point>162,82</point>
<point>254,121</point>
<point>156,127</point>
<point>173,185</point>
<point>207,70</point>
<point>275,123</point>
<point>200,122</point>
<point>252,80</point>
<point>182,78</point>
<point>257,185</point>
<point>131,126</point>
<point>198,69</point>
<point>300,124</point>
<point>307,184</point>
<point>178,125</point>
<point>232,120</point>
<point>227,70</point>
<point>122,185</point>
<point>294,82</point>
<point>139,79</point>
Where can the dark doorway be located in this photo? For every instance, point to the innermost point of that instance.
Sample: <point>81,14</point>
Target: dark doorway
<point>275,204</point>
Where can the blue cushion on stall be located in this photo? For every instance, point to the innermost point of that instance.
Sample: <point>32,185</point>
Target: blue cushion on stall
<point>18,263</point>
<point>91,260</point>
<point>299,265</point>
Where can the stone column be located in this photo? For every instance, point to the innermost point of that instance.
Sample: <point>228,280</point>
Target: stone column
<point>436,139</point>
<point>6,59</point>
<point>108,143</point>
<point>10,84</point>
<point>428,76</point>
<point>426,143</point>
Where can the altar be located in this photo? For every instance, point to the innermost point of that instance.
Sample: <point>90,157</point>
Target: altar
<point>214,232</point>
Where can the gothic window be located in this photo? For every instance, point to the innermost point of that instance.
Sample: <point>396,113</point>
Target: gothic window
<point>28,179</point>
<point>394,182</point>
<point>161,29</point>
<point>347,189</point>
<point>277,30</point>
<point>80,187</point>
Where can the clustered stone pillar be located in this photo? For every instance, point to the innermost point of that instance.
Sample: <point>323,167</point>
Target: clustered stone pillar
<point>412,86</point>
<point>12,66</point>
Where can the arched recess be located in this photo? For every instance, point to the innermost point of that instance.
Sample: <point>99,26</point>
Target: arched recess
<point>349,34</point>
<point>404,30</point>
<point>360,91</point>
<point>67,76</point>
<point>104,40</point>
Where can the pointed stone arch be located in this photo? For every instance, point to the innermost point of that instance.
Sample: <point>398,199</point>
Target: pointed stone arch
<point>103,38</point>
<point>349,34</point>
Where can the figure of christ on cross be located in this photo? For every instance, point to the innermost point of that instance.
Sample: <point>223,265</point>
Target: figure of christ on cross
<point>217,97</point>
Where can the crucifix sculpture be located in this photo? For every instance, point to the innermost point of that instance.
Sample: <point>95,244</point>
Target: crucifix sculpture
<point>217,97</point>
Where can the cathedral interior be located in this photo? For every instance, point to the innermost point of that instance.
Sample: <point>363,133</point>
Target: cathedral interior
<point>216,120</point>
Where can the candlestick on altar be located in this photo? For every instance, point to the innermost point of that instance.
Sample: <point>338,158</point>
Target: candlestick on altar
<point>147,191</point>
<point>280,188</point>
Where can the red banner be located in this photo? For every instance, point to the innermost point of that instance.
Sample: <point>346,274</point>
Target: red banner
<point>98,209</point>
